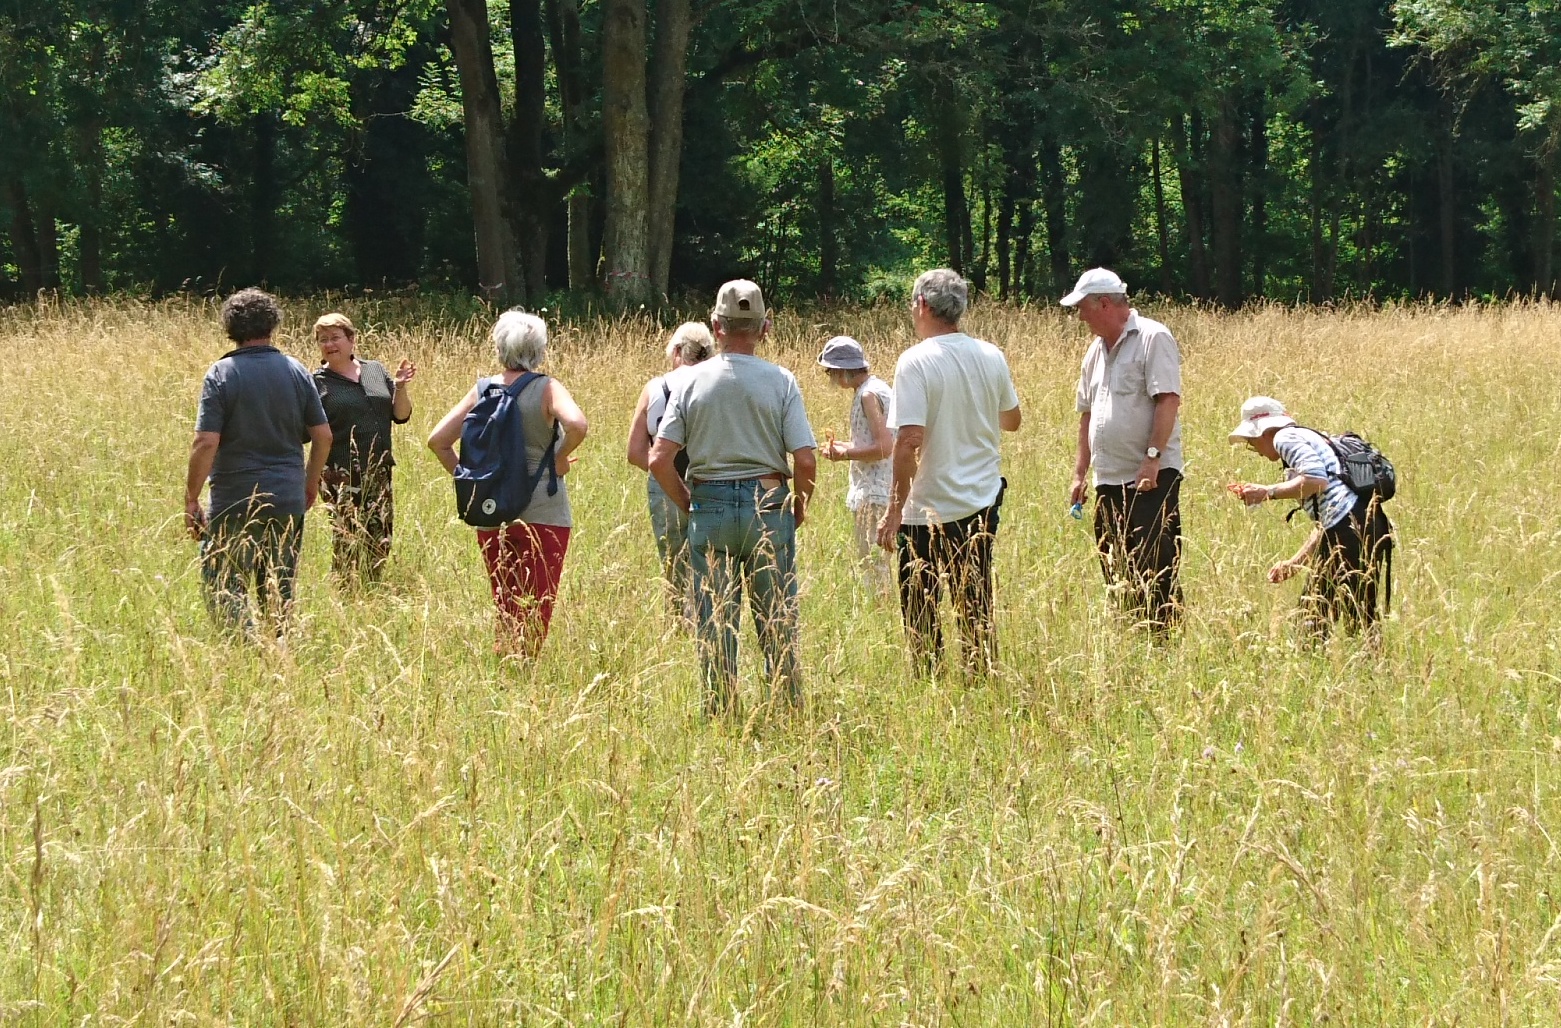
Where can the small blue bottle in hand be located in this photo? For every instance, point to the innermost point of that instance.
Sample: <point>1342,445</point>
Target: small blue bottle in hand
<point>1076,512</point>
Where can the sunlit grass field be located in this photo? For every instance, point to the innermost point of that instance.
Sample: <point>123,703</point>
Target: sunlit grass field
<point>386,825</point>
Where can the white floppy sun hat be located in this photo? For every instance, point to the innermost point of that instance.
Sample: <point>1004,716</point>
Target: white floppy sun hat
<point>1258,415</point>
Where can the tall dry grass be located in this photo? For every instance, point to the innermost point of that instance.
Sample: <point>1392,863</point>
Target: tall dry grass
<point>385,825</point>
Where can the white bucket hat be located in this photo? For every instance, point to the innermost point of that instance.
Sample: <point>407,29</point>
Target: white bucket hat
<point>1258,415</point>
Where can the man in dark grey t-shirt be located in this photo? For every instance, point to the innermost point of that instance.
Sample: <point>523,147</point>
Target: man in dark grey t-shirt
<point>258,407</point>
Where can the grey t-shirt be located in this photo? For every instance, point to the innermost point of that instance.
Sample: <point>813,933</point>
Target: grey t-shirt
<point>738,416</point>
<point>262,403</point>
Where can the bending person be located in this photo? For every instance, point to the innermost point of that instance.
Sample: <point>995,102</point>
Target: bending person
<point>1349,553</point>
<point>525,558</point>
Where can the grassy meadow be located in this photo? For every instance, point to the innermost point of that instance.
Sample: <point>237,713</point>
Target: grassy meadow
<point>386,825</point>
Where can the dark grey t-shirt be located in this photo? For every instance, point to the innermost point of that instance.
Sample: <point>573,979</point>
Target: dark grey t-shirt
<point>262,403</point>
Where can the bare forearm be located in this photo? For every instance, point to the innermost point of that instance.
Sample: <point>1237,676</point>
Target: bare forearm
<point>401,403</point>
<point>201,459</point>
<point>1309,547</point>
<point>1082,462</point>
<point>907,458</point>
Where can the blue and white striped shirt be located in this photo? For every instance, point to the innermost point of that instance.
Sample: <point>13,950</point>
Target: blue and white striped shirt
<point>1305,452</point>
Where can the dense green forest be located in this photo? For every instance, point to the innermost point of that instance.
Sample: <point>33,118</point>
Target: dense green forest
<point>1304,150</point>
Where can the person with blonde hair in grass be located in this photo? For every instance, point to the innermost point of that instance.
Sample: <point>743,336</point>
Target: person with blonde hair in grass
<point>362,400</point>
<point>691,344</point>
<point>871,474</point>
<point>525,558</point>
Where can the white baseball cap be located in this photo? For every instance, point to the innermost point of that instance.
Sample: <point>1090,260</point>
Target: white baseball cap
<point>1093,282</point>
<point>1258,415</point>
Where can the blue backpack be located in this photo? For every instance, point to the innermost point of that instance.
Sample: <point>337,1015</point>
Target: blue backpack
<point>493,485</point>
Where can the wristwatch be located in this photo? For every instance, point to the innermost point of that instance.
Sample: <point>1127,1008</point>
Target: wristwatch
<point>1153,453</point>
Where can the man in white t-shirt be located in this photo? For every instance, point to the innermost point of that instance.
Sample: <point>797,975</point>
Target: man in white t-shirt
<point>751,465</point>
<point>953,399</point>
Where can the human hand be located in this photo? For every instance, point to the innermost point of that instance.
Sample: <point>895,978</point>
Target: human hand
<point>194,519</point>
<point>889,529</point>
<point>562,463</point>
<point>799,509</point>
<point>1248,493</point>
<point>1148,474</point>
<point>311,491</point>
<point>1283,571</point>
<point>1080,491</point>
<point>406,371</point>
<point>835,450</point>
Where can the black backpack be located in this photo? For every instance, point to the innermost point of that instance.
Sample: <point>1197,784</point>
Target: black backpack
<point>1363,467</point>
<point>493,484</point>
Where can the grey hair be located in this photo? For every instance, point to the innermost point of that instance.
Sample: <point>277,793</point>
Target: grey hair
<point>520,340</point>
<point>692,342</point>
<point>1120,299</point>
<point>944,292</point>
<point>742,328</point>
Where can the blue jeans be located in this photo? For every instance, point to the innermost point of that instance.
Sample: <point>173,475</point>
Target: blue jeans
<point>670,526</point>
<point>251,547</point>
<point>742,535</point>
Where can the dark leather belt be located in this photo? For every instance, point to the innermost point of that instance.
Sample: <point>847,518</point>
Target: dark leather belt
<point>768,481</point>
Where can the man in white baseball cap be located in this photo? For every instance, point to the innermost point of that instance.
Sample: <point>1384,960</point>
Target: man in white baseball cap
<point>1129,400</point>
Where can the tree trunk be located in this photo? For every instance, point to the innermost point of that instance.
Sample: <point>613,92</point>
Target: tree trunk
<point>24,238</point>
<point>1005,221</point>
<point>1162,231</point>
<point>1447,211</point>
<point>668,83</point>
<point>498,270</point>
<point>1317,292</point>
<point>1259,178</point>
<point>1545,218</point>
<point>949,160</point>
<point>1191,182</point>
<point>564,28</point>
<point>263,198</point>
<point>828,243</point>
<point>1226,196</point>
<point>1054,197</point>
<point>626,131</point>
<point>91,243</point>
<point>532,195</point>
<point>1024,284</point>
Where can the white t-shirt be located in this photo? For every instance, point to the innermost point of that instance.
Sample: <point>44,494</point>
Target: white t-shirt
<point>738,416</point>
<point>954,387</point>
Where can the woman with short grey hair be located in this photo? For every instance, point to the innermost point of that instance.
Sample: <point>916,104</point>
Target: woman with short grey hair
<point>520,341</point>
<point>691,344</point>
<point>525,558</point>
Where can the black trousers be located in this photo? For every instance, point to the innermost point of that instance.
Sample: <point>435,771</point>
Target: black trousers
<point>960,551</point>
<point>1139,536</point>
<point>362,508</point>
<point>1352,564</point>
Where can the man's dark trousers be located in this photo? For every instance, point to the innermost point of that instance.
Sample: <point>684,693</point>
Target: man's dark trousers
<point>1139,535</point>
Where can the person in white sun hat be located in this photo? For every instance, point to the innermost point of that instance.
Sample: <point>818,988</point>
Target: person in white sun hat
<point>1349,552</point>
<point>868,451</point>
<point>1129,400</point>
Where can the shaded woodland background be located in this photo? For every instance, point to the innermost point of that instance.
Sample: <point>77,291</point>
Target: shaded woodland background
<point>635,150</point>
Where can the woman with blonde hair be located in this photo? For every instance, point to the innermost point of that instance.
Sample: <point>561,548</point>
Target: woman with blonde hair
<point>691,343</point>
<point>362,399</point>
<point>525,558</point>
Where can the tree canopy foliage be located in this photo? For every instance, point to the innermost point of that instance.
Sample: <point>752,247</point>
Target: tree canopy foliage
<point>1220,149</point>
